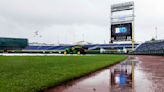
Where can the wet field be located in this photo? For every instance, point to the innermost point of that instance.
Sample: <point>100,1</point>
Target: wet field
<point>136,74</point>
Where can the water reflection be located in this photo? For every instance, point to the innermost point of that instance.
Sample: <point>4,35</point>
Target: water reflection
<point>149,77</point>
<point>121,77</point>
<point>114,79</point>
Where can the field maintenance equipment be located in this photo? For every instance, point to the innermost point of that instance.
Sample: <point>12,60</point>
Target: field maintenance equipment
<point>75,50</point>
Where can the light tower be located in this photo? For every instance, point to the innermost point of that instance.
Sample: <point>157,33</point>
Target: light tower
<point>156,33</point>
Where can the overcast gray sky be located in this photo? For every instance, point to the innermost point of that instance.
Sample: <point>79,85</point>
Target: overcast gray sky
<point>70,21</point>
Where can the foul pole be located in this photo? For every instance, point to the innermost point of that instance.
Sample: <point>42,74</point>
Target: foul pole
<point>133,39</point>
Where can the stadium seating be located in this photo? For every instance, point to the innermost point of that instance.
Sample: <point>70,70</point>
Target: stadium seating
<point>46,47</point>
<point>151,47</point>
<point>31,47</point>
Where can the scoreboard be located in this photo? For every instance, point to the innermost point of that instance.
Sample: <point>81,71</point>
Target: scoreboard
<point>121,32</point>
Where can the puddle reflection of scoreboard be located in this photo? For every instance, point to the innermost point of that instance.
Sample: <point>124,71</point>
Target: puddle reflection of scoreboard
<point>121,32</point>
<point>121,75</point>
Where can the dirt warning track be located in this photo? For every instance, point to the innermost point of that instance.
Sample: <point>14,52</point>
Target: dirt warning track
<point>153,68</point>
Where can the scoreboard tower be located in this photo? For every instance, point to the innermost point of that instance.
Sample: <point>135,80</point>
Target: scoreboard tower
<point>122,22</point>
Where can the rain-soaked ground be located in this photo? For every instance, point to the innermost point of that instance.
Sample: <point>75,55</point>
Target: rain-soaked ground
<point>136,74</point>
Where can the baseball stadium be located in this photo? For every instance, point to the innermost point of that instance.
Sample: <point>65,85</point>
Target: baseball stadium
<point>121,65</point>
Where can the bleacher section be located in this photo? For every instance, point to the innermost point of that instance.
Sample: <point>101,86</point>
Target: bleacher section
<point>47,47</point>
<point>151,47</point>
<point>69,46</point>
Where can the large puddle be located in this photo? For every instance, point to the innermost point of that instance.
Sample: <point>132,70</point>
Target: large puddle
<point>128,76</point>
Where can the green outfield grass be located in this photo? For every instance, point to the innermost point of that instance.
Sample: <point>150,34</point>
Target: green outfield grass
<point>35,73</point>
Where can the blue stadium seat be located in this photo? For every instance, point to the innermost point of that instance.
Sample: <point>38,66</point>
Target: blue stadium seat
<point>151,47</point>
<point>69,46</point>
